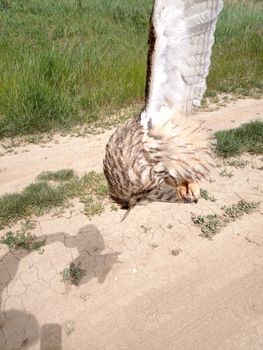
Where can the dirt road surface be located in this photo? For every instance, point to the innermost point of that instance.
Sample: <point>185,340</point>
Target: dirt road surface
<point>151,282</point>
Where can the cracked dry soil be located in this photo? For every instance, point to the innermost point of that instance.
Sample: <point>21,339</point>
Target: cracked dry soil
<point>136,293</point>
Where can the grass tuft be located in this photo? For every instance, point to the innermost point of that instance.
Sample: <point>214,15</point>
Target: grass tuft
<point>226,173</point>
<point>73,274</point>
<point>92,207</point>
<point>60,175</point>
<point>23,239</point>
<point>40,197</point>
<point>246,138</point>
<point>205,195</point>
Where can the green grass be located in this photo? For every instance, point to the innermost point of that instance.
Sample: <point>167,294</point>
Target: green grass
<point>60,175</point>
<point>62,65</point>
<point>237,60</point>
<point>205,195</point>
<point>23,239</point>
<point>73,274</point>
<point>40,197</point>
<point>247,138</point>
<point>92,206</point>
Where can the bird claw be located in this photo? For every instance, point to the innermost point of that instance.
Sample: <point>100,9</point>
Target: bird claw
<point>188,192</point>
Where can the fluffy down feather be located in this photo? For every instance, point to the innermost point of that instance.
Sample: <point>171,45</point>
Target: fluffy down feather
<point>180,47</point>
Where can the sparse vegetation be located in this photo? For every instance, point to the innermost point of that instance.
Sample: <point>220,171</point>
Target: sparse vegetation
<point>73,274</point>
<point>56,70</point>
<point>210,224</point>
<point>239,209</point>
<point>175,252</point>
<point>213,223</point>
<point>43,196</point>
<point>92,207</point>
<point>23,238</point>
<point>60,175</point>
<point>146,228</point>
<point>226,173</point>
<point>246,138</point>
<point>114,207</point>
<point>205,195</point>
<point>236,163</point>
<point>154,245</point>
<point>97,184</point>
<point>69,327</point>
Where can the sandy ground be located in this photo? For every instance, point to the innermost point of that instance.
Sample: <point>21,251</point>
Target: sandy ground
<point>136,294</point>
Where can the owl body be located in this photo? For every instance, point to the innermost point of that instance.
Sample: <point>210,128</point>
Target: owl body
<point>139,161</point>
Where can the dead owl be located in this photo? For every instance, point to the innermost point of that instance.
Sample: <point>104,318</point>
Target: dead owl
<point>163,146</point>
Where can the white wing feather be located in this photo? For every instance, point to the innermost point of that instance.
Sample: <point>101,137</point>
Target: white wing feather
<point>179,64</point>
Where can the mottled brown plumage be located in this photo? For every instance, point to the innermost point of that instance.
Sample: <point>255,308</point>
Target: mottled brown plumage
<point>139,161</point>
<point>163,148</point>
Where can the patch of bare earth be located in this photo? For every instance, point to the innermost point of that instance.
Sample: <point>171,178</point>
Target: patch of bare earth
<point>150,282</point>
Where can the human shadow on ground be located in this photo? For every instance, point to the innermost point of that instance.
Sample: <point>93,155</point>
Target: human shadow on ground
<point>90,245</point>
<point>19,329</point>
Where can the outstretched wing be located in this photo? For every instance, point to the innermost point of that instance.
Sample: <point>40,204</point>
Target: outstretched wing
<point>180,45</point>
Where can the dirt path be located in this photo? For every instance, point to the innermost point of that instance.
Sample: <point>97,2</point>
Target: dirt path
<point>152,282</point>
<point>85,154</point>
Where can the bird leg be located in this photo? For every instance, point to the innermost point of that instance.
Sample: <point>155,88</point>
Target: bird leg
<point>188,192</point>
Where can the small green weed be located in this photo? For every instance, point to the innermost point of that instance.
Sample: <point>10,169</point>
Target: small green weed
<point>23,239</point>
<point>213,223</point>
<point>246,138</point>
<point>226,173</point>
<point>92,206</point>
<point>236,163</point>
<point>69,327</point>
<point>205,195</point>
<point>175,252</point>
<point>210,224</point>
<point>114,207</point>
<point>239,209</point>
<point>73,274</point>
<point>146,228</point>
<point>154,245</point>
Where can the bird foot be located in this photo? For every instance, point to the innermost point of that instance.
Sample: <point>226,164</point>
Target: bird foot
<point>188,192</point>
